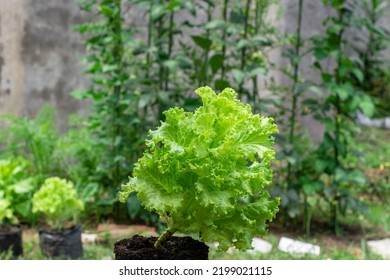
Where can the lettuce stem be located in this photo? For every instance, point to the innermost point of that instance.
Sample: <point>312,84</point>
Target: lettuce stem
<point>163,237</point>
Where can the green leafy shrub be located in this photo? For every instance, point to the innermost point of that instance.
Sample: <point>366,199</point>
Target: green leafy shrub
<point>206,171</point>
<point>33,139</point>
<point>58,201</point>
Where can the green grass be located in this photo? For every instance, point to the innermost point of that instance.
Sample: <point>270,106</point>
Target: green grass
<point>379,216</point>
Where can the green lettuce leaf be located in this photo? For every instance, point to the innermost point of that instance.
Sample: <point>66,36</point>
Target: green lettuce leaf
<point>206,171</point>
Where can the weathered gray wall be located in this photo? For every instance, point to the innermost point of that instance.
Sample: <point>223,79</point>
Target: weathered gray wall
<point>12,85</point>
<point>40,53</point>
<point>50,54</point>
<point>40,56</point>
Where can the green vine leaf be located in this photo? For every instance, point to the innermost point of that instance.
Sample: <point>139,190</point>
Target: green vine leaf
<point>202,42</point>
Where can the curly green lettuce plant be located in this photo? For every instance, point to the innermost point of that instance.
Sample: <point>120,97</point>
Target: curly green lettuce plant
<point>58,201</point>
<point>205,171</point>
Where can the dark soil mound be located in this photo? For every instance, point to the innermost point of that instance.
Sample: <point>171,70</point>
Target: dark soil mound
<point>6,228</point>
<point>174,248</point>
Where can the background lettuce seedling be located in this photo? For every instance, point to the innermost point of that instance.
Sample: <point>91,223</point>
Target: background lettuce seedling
<point>58,201</point>
<point>205,171</point>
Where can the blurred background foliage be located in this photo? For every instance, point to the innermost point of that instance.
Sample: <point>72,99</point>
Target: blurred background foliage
<point>136,74</point>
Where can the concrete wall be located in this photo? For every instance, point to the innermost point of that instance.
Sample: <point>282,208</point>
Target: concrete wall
<point>40,54</point>
<point>12,85</point>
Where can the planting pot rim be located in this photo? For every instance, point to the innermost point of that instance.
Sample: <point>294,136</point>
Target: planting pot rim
<point>18,229</point>
<point>59,231</point>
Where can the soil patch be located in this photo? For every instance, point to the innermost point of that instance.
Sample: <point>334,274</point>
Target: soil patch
<point>175,248</point>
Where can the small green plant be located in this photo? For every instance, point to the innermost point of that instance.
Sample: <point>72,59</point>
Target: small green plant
<point>58,201</point>
<point>205,171</point>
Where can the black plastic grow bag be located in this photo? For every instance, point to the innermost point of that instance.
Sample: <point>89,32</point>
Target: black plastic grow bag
<point>64,244</point>
<point>12,240</point>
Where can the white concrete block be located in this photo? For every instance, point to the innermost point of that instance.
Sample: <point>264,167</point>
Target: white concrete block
<point>88,237</point>
<point>380,247</point>
<point>260,245</point>
<point>292,246</point>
